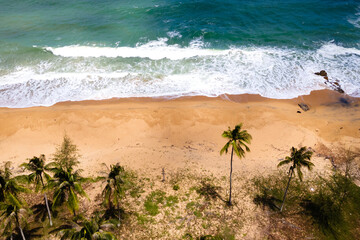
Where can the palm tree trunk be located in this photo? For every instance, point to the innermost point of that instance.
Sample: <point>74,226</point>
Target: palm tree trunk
<point>11,237</point>
<point>47,203</point>
<point>232,151</point>
<point>118,206</point>
<point>282,205</point>
<point>22,234</point>
<point>48,209</point>
<point>110,202</point>
<point>21,231</point>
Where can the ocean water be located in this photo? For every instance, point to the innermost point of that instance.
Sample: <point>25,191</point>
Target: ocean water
<point>52,51</point>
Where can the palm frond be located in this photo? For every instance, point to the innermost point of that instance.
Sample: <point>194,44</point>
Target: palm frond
<point>299,158</point>
<point>73,202</point>
<point>227,134</point>
<point>287,160</point>
<point>225,148</point>
<point>238,150</point>
<point>299,173</point>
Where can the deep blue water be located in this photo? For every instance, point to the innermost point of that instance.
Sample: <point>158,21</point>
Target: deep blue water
<point>54,51</point>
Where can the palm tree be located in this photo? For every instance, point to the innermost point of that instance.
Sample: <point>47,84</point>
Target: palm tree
<point>93,229</point>
<point>9,184</point>
<point>114,190</point>
<point>37,166</point>
<point>298,158</point>
<point>12,215</point>
<point>67,185</point>
<point>237,139</point>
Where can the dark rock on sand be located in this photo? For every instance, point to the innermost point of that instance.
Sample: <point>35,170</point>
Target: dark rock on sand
<point>335,86</point>
<point>332,84</point>
<point>298,112</point>
<point>304,106</point>
<point>322,73</point>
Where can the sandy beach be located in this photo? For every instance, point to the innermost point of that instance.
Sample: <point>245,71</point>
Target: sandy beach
<point>183,136</point>
<point>148,134</point>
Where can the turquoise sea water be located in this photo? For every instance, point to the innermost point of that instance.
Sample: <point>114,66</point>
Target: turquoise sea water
<point>53,51</point>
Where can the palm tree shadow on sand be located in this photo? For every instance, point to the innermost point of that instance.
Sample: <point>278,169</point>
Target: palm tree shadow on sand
<point>210,191</point>
<point>267,200</point>
<point>40,212</point>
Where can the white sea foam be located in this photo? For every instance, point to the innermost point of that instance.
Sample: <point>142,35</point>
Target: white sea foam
<point>83,72</point>
<point>332,50</point>
<point>154,50</point>
<point>355,20</point>
<point>174,34</point>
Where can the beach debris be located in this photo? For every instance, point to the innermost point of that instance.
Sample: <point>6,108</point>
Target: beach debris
<point>333,84</point>
<point>304,107</point>
<point>298,111</point>
<point>163,173</point>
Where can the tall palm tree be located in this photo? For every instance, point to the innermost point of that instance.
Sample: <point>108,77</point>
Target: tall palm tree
<point>12,215</point>
<point>93,229</point>
<point>10,184</point>
<point>38,169</point>
<point>114,190</point>
<point>298,158</point>
<point>67,185</point>
<point>237,139</point>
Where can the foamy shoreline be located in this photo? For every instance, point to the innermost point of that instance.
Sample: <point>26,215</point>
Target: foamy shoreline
<point>158,68</point>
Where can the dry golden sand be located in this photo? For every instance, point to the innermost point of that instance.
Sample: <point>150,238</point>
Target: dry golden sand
<point>148,134</point>
<point>155,133</point>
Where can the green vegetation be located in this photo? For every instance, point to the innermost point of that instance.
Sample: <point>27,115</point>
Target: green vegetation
<point>66,182</point>
<point>67,155</point>
<point>335,207</point>
<point>155,198</point>
<point>326,207</point>
<point>95,228</point>
<point>237,139</point>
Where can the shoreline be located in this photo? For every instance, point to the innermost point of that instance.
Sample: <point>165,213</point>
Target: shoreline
<point>147,133</point>
<point>323,96</point>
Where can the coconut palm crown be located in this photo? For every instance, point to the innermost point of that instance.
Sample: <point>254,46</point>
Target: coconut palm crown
<point>67,185</point>
<point>114,191</point>
<point>298,158</point>
<point>238,139</point>
<point>10,184</point>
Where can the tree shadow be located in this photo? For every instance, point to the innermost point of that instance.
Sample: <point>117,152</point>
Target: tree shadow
<point>264,199</point>
<point>326,215</point>
<point>114,213</point>
<point>40,211</point>
<point>210,191</point>
<point>30,232</point>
